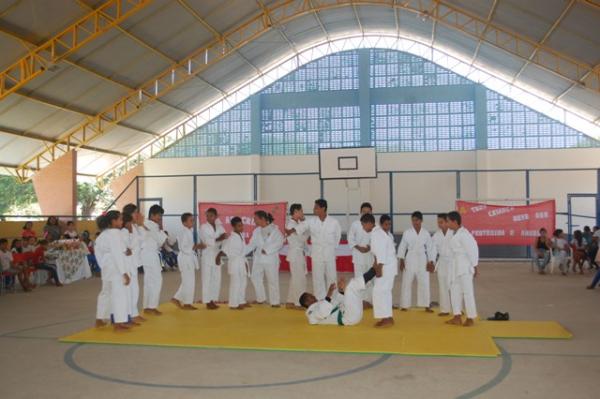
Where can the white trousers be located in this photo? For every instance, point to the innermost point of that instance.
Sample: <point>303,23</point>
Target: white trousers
<point>185,293</point>
<point>412,271</point>
<point>352,311</point>
<point>462,290</point>
<point>103,302</point>
<point>297,279</point>
<point>152,286</point>
<point>134,294</point>
<point>211,280</point>
<point>323,275</point>
<point>443,269</point>
<point>271,269</point>
<point>119,300</point>
<point>382,292</point>
<point>361,268</point>
<point>238,280</point>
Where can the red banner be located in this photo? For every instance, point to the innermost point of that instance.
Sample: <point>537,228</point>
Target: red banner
<point>246,212</point>
<point>507,224</point>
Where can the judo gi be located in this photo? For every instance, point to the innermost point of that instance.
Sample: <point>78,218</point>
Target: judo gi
<point>154,238</point>
<point>465,257</point>
<point>416,250</point>
<point>270,240</point>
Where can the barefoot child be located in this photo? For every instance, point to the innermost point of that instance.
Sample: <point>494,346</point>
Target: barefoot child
<point>465,259</point>
<point>154,238</point>
<point>346,308</point>
<point>137,237</point>
<point>188,263</point>
<point>235,249</point>
<point>383,249</point>
<point>212,235</point>
<point>296,257</point>
<point>417,247</point>
<point>442,239</point>
<point>111,253</point>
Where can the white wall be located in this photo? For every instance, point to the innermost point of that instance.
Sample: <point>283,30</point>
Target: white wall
<point>428,192</point>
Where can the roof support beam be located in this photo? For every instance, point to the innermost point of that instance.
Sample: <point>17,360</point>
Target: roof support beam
<point>485,30</point>
<point>37,137</point>
<point>270,23</point>
<point>216,34</point>
<point>555,25</point>
<point>355,11</point>
<point>319,21</point>
<point>68,41</point>
<point>71,109</point>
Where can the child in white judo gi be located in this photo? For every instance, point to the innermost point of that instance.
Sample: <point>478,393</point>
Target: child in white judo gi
<point>360,242</point>
<point>416,253</point>
<point>235,249</point>
<point>137,237</point>
<point>187,262</point>
<point>441,240</point>
<point>212,235</point>
<point>465,261</point>
<point>384,252</point>
<point>296,257</point>
<point>128,241</point>
<point>154,238</point>
<point>266,242</point>
<point>111,255</point>
<point>346,307</point>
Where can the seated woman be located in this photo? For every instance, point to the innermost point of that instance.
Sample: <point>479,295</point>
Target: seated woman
<point>579,245</point>
<point>71,232</point>
<point>543,246</point>
<point>52,229</point>
<point>28,231</point>
<point>560,249</point>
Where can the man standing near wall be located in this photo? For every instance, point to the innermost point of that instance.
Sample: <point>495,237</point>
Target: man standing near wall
<point>325,233</point>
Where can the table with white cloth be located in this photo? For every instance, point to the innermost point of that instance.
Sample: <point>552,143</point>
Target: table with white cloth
<point>71,263</point>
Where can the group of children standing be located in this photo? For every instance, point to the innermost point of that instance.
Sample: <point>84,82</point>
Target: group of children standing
<point>127,242</point>
<point>452,253</point>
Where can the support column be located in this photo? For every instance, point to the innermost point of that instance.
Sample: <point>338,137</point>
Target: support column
<point>56,186</point>
<point>364,97</point>
<point>125,189</point>
<point>255,128</point>
<point>480,108</point>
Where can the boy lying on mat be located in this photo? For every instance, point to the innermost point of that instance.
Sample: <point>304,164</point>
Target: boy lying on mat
<point>346,308</point>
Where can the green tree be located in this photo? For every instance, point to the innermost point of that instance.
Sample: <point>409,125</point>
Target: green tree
<point>90,196</point>
<point>14,195</point>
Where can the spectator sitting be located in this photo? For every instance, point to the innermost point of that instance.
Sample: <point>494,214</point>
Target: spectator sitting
<point>28,231</point>
<point>16,247</point>
<point>560,248</point>
<point>168,254</point>
<point>30,245</point>
<point>85,238</point>
<point>52,229</point>
<point>594,245</point>
<point>71,232</point>
<point>543,246</point>
<point>579,245</point>
<point>10,268</point>
<point>40,262</point>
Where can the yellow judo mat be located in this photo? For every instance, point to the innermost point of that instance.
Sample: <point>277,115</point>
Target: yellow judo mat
<point>265,328</point>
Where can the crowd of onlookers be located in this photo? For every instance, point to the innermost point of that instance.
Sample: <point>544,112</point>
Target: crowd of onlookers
<point>580,253</point>
<point>23,257</point>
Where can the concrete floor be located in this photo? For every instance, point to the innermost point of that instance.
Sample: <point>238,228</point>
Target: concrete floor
<point>33,364</point>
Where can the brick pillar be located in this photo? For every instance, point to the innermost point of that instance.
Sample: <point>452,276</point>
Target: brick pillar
<point>127,187</point>
<point>56,186</point>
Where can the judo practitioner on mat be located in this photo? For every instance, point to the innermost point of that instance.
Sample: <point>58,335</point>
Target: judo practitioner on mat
<point>344,307</point>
